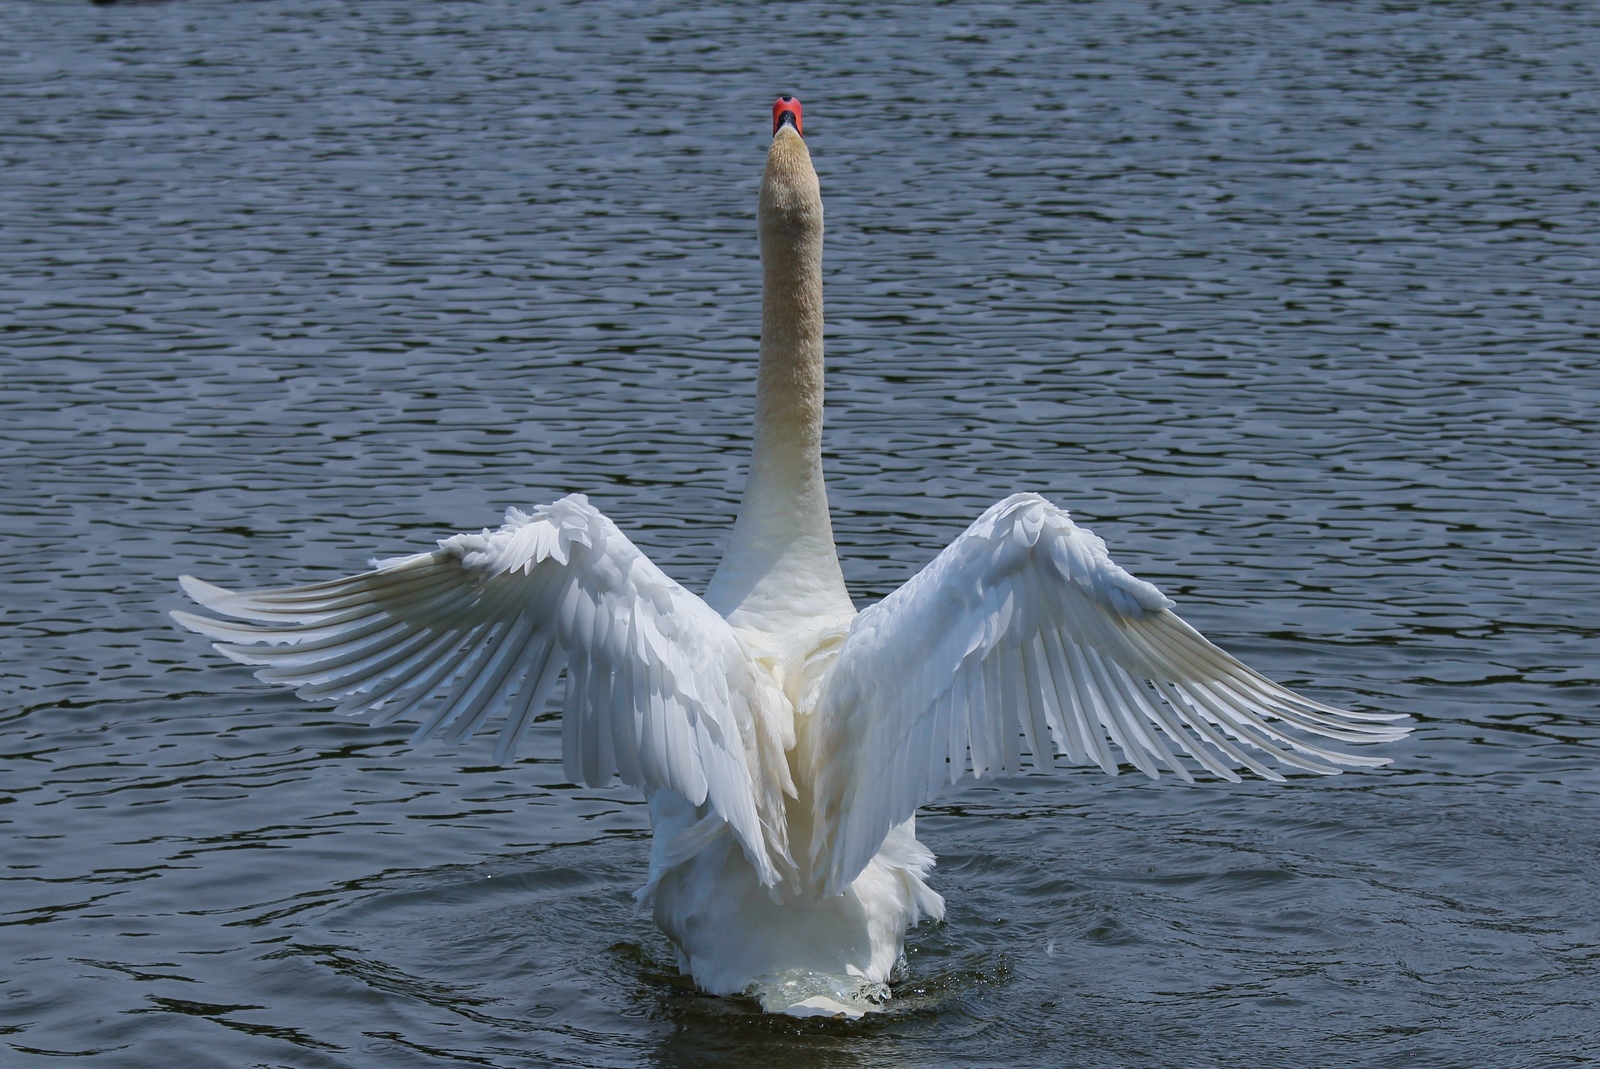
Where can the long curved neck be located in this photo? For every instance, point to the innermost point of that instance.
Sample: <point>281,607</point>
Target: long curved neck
<point>781,571</point>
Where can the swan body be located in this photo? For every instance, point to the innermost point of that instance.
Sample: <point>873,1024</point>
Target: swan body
<point>784,740</point>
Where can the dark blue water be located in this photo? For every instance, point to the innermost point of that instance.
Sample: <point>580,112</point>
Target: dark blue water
<point>1294,304</point>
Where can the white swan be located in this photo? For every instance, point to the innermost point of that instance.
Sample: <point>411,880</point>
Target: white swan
<point>784,740</point>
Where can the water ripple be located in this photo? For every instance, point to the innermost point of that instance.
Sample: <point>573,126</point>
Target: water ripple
<point>1291,303</point>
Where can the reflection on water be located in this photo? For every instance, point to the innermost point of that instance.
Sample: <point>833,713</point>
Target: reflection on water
<point>1293,304</point>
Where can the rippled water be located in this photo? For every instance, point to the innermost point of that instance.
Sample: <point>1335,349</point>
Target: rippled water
<point>1294,304</point>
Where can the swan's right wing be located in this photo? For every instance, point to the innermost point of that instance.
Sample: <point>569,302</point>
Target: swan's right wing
<point>659,688</point>
<point>1024,628</point>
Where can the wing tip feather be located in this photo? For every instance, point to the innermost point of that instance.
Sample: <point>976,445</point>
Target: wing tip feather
<point>203,593</point>
<point>200,625</point>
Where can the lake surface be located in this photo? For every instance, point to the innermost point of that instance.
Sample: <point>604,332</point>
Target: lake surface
<point>1294,304</point>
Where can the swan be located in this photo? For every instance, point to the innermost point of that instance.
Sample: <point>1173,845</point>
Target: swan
<point>783,739</point>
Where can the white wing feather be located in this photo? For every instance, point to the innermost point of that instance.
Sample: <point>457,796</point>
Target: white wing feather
<point>1023,629</point>
<point>659,688</point>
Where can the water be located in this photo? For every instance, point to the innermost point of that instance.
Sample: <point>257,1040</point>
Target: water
<point>1294,304</point>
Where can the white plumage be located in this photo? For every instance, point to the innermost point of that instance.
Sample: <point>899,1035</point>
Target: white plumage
<point>784,741</point>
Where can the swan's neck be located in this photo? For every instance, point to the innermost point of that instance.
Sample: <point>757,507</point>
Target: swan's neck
<point>781,573</point>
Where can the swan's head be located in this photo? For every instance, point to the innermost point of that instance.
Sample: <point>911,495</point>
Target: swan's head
<point>791,202</point>
<point>786,112</point>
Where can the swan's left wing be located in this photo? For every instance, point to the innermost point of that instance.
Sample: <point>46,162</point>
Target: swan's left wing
<point>659,687</point>
<point>1024,630</point>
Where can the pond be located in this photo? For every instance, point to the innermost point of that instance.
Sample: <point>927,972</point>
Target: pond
<point>1293,304</point>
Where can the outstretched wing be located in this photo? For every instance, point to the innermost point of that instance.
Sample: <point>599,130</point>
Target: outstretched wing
<point>659,688</point>
<point>1023,630</point>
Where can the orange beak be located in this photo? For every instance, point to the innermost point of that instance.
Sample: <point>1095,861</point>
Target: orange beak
<point>786,109</point>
